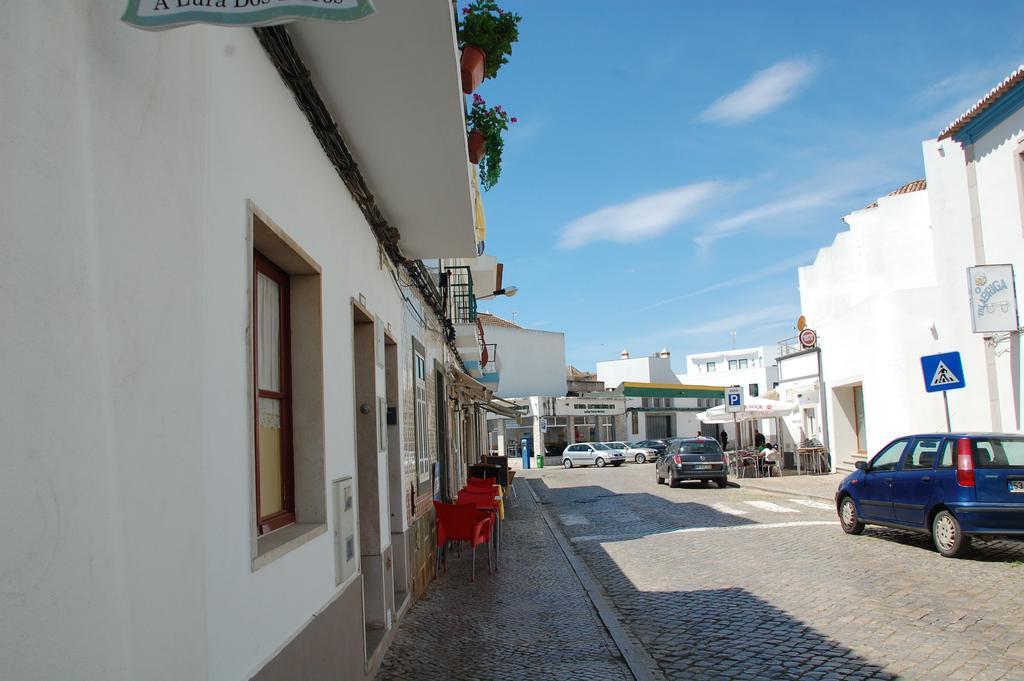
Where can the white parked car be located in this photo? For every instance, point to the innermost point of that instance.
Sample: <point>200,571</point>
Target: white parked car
<point>638,454</point>
<point>587,453</point>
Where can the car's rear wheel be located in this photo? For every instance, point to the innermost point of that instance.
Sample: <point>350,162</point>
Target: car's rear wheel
<point>673,481</point>
<point>723,483</point>
<point>567,463</point>
<point>640,458</point>
<point>848,517</point>
<point>947,535</point>
<point>599,462</point>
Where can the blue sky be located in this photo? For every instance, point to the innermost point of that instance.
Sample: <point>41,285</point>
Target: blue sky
<point>676,162</point>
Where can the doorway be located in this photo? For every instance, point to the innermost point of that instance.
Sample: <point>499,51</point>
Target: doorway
<point>375,559</point>
<point>396,495</point>
<point>858,410</point>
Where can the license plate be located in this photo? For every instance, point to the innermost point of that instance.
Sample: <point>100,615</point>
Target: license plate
<point>1016,485</point>
<point>707,467</point>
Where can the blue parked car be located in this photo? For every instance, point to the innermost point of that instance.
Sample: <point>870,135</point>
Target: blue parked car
<point>951,486</point>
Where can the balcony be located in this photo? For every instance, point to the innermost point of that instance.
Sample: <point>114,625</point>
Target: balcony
<point>391,83</point>
<point>490,366</point>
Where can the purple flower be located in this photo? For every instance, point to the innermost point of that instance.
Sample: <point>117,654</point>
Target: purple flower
<point>515,120</point>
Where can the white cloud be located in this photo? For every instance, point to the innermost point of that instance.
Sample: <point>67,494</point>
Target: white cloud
<point>760,275</point>
<point>723,228</point>
<point>739,321</point>
<point>766,91</point>
<point>642,218</point>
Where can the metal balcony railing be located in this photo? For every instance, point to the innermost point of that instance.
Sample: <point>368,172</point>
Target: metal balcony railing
<point>458,290</point>
<point>489,358</point>
<point>788,346</point>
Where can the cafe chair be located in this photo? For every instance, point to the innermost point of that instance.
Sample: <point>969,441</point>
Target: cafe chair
<point>462,522</point>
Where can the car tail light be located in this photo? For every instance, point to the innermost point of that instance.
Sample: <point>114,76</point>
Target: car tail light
<point>964,463</point>
<point>678,459</point>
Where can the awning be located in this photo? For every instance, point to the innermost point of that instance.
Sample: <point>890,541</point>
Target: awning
<point>755,409</point>
<point>497,406</point>
<point>469,388</point>
<point>630,389</point>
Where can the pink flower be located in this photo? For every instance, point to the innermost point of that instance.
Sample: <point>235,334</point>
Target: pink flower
<point>515,120</point>
<point>465,11</point>
<point>498,108</point>
<point>477,99</point>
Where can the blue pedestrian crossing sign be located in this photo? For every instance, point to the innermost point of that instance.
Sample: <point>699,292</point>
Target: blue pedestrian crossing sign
<point>943,372</point>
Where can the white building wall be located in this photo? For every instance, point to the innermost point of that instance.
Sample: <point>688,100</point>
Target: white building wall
<point>101,291</point>
<point>1000,204</point>
<point>532,362</point>
<point>872,299</point>
<point>131,157</point>
<point>650,369</point>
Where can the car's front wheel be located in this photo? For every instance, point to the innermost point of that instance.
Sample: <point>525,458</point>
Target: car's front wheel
<point>848,517</point>
<point>640,458</point>
<point>567,463</point>
<point>657,475</point>
<point>949,538</point>
<point>599,462</point>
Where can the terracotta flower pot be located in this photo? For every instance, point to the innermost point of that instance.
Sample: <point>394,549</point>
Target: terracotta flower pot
<point>477,146</point>
<point>472,66</point>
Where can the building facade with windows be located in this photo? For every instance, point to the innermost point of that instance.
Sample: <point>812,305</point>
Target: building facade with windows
<point>753,369</point>
<point>243,385</point>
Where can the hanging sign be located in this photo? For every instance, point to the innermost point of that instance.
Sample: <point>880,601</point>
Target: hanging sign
<point>156,15</point>
<point>993,298</point>
<point>583,406</point>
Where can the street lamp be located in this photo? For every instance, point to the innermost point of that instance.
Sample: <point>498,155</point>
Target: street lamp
<point>508,291</point>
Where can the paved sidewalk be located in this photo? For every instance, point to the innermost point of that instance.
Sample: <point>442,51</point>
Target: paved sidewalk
<point>530,620</point>
<point>815,486</point>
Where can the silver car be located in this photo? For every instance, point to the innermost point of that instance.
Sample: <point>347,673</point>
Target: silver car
<point>638,454</point>
<point>595,453</point>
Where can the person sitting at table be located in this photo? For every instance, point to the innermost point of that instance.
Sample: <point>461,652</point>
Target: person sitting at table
<point>772,459</point>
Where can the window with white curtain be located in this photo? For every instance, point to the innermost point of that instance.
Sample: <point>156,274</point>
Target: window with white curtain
<point>275,498</point>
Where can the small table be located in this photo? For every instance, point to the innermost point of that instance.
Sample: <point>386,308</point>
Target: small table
<point>816,458</point>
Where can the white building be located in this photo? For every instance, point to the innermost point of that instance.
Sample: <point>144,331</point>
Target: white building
<point>532,361</point>
<point>753,369</point>
<point>895,288</point>
<point>230,394</point>
<point>658,404</point>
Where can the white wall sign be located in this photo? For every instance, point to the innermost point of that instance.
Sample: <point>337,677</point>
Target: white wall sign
<point>157,15</point>
<point>993,298</point>
<point>582,406</point>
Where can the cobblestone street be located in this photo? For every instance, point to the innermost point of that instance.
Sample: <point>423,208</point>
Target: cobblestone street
<point>741,583</point>
<point>530,620</point>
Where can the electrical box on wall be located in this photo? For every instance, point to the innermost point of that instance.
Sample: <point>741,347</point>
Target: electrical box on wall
<point>392,416</point>
<point>346,557</point>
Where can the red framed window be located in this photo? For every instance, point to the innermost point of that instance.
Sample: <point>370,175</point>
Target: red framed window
<point>272,398</point>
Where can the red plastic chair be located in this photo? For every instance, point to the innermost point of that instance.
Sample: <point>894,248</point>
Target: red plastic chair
<point>481,482</point>
<point>462,522</point>
<point>487,504</point>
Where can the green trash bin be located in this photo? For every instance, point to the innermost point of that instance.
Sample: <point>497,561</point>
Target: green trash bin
<point>540,459</point>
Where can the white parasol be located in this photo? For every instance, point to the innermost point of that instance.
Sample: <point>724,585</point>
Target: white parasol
<point>754,408</point>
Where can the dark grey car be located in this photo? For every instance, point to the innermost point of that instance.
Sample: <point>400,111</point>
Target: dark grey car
<point>693,459</point>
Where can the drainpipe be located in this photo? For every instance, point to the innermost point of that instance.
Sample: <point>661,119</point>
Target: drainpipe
<point>823,407</point>
<point>991,379</point>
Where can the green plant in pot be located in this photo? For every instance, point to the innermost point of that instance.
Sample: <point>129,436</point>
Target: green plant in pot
<point>487,125</point>
<point>492,30</point>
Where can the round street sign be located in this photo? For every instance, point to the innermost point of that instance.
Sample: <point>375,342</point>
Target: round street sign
<point>808,338</point>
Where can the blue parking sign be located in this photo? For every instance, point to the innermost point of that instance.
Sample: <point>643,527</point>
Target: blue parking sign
<point>943,372</point>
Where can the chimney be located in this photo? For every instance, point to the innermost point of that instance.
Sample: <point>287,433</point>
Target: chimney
<point>664,354</point>
<point>624,354</point>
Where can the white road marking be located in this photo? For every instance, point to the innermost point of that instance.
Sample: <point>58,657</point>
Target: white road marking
<point>769,506</point>
<point>687,530</point>
<point>574,519</point>
<point>728,510</point>
<point>810,503</point>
